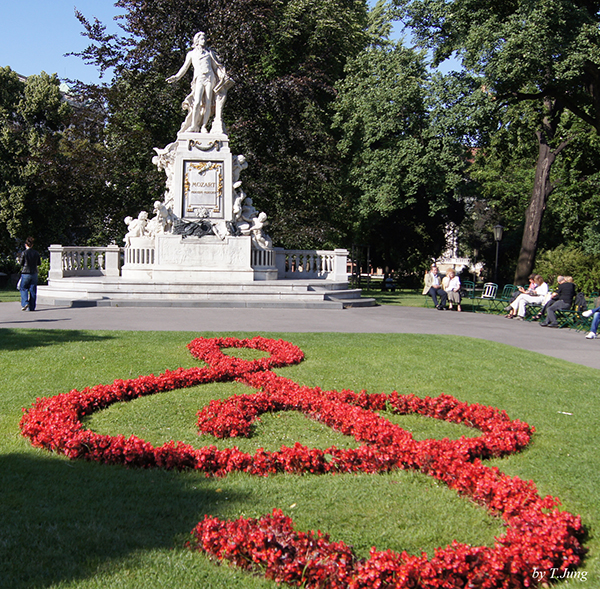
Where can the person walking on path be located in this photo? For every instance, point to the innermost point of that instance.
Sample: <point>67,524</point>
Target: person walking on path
<point>30,260</point>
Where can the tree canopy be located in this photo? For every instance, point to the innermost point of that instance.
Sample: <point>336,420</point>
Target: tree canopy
<point>403,145</point>
<point>38,192</point>
<point>544,52</point>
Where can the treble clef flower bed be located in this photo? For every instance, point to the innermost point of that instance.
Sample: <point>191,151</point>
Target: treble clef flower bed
<point>538,536</point>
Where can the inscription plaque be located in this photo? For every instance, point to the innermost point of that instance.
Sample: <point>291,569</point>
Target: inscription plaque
<point>202,189</point>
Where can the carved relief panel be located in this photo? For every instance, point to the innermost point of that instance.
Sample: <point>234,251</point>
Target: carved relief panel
<point>203,189</point>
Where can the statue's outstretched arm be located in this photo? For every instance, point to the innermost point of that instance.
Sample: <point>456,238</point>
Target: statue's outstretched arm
<point>184,68</point>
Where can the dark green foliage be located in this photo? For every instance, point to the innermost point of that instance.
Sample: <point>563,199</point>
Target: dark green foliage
<point>284,56</point>
<point>38,151</point>
<point>9,264</point>
<point>504,173</point>
<point>543,53</point>
<point>571,261</point>
<point>403,168</point>
<point>574,203</point>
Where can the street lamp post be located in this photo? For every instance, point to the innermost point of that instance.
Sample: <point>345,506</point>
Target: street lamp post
<point>498,230</point>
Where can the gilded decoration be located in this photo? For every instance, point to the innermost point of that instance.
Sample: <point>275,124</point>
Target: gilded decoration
<point>203,168</point>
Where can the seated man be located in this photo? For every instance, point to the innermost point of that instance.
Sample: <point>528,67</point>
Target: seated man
<point>561,299</point>
<point>433,288</point>
<point>388,283</point>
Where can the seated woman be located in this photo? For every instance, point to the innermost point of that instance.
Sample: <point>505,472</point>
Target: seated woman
<point>534,296</point>
<point>452,288</point>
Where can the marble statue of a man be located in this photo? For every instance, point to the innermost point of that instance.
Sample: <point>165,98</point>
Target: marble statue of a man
<point>209,86</point>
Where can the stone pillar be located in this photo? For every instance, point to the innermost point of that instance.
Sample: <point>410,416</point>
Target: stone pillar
<point>112,260</point>
<point>340,265</point>
<point>280,262</point>
<point>56,264</point>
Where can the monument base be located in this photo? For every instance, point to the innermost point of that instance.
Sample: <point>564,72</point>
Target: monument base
<point>91,291</point>
<point>282,278</point>
<point>176,259</point>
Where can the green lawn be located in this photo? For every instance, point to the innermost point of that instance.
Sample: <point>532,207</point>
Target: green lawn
<point>414,298</point>
<point>76,524</point>
<point>404,297</point>
<point>9,295</point>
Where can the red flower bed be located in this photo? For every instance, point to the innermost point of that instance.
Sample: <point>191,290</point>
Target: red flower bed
<point>538,535</point>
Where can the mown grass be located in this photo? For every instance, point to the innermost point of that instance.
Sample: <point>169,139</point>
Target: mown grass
<point>9,295</point>
<point>414,298</point>
<point>71,524</point>
<point>404,297</point>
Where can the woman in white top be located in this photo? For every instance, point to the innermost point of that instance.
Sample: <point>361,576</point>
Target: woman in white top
<point>452,287</point>
<point>536,296</point>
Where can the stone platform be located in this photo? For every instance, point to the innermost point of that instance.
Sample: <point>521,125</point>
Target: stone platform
<point>80,291</point>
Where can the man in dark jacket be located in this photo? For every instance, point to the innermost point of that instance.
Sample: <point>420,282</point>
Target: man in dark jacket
<point>30,260</point>
<point>561,299</point>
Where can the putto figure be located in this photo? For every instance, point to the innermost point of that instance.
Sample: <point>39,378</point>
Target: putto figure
<point>209,88</point>
<point>137,227</point>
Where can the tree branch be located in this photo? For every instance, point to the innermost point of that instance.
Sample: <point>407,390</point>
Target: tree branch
<point>580,113</point>
<point>520,96</point>
<point>564,143</point>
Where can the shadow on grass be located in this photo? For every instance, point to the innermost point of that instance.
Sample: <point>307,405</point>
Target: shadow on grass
<point>61,520</point>
<point>22,339</point>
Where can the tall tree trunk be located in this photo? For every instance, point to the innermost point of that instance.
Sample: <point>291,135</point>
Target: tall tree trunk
<point>542,188</point>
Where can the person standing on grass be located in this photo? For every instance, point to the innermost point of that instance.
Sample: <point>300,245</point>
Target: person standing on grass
<point>30,260</point>
<point>433,288</point>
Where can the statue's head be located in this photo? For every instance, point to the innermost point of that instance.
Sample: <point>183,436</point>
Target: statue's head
<point>199,39</point>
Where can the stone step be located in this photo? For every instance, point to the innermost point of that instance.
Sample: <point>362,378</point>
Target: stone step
<point>211,303</point>
<point>104,285</point>
<point>81,292</point>
<point>187,296</point>
<point>354,302</point>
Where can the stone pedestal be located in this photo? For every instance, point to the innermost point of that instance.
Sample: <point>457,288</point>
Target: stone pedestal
<point>202,241</point>
<point>177,259</point>
<point>201,184</point>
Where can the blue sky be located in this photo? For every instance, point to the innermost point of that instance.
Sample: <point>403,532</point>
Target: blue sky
<point>36,34</point>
